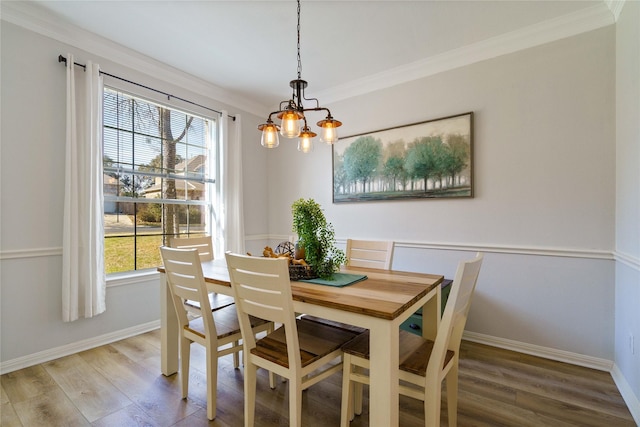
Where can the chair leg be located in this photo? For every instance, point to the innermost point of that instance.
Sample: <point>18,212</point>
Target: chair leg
<point>212,381</point>
<point>295,402</point>
<point>452,395</point>
<point>346,408</point>
<point>357,396</point>
<point>432,403</point>
<point>272,380</point>
<point>185,355</point>
<point>249,392</point>
<point>236,355</point>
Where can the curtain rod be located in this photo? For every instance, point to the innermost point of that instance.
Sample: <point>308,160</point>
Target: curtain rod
<point>168,95</point>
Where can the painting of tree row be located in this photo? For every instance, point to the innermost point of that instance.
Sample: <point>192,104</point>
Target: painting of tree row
<point>432,159</point>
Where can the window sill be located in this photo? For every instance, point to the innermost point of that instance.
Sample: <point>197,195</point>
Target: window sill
<point>132,278</point>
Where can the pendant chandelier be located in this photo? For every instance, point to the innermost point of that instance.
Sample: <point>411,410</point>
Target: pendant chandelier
<point>293,120</point>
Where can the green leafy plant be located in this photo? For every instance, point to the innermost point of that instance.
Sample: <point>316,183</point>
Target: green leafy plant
<point>317,236</point>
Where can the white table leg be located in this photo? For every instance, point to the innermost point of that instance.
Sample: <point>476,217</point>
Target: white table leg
<point>431,315</point>
<point>168,330</point>
<point>384,362</point>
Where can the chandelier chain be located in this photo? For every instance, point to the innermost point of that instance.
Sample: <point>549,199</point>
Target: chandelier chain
<point>299,60</point>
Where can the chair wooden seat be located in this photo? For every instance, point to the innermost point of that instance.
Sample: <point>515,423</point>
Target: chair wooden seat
<point>226,321</point>
<point>315,341</point>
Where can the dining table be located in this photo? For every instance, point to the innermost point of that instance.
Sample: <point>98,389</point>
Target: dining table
<point>380,303</point>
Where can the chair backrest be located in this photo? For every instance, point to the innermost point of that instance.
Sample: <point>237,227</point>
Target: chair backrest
<point>183,271</point>
<point>369,253</point>
<point>261,288</point>
<point>455,313</point>
<point>202,244</point>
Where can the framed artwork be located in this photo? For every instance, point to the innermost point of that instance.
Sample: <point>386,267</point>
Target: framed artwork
<point>426,160</point>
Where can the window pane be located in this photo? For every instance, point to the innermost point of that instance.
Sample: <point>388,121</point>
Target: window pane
<point>118,254</point>
<point>185,190</point>
<point>148,252</point>
<point>192,218</point>
<point>146,117</point>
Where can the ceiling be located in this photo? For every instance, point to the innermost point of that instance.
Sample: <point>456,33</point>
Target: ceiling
<point>249,47</point>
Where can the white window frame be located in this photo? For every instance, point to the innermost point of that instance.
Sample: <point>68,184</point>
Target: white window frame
<point>213,203</point>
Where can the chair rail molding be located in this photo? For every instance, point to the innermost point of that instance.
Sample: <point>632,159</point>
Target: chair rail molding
<point>30,253</point>
<point>627,259</point>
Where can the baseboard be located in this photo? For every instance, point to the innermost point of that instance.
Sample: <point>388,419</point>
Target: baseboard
<point>544,352</point>
<point>632,401</point>
<point>66,350</point>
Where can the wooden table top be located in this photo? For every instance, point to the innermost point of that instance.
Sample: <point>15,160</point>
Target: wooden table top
<point>384,294</point>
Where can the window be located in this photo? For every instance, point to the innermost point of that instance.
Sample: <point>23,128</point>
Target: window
<point>159,171</point>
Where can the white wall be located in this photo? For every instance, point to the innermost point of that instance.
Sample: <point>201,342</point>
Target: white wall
<point>544,200</point>
<point>627,300</point>
<point>32,182</point>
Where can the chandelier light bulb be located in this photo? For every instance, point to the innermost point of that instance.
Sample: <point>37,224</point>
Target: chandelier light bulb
<point>290,126</point>
<point>329,133</point>
<point>305,143</point>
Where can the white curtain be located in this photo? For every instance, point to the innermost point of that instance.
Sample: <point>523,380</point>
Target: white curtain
<point>231,186</point>
<point>83,276</point>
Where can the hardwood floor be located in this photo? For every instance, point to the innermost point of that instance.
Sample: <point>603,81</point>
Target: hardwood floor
<point>121,385</point>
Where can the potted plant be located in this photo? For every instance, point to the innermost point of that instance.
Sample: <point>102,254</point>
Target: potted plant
<point>317,237</point>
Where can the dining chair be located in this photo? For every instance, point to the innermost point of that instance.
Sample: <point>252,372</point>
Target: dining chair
<point>302,352</point>
<point>369,253</point>
<point>424,363</point>
<point>219,331</point>
<point>204,245</point>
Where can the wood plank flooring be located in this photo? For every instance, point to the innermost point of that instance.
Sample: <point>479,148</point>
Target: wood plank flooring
<point>121,385</point>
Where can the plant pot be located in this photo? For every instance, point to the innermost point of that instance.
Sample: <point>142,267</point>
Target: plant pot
<point>298,252</point>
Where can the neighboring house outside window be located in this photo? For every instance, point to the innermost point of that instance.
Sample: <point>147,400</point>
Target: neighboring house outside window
<point>159,169</point>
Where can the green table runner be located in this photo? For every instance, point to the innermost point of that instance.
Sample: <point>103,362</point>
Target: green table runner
<point>337,279</point>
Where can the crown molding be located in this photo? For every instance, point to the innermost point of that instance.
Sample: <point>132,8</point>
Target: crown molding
<point>615,6</point>
<point>588,19</point>
<point>34,18</point>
